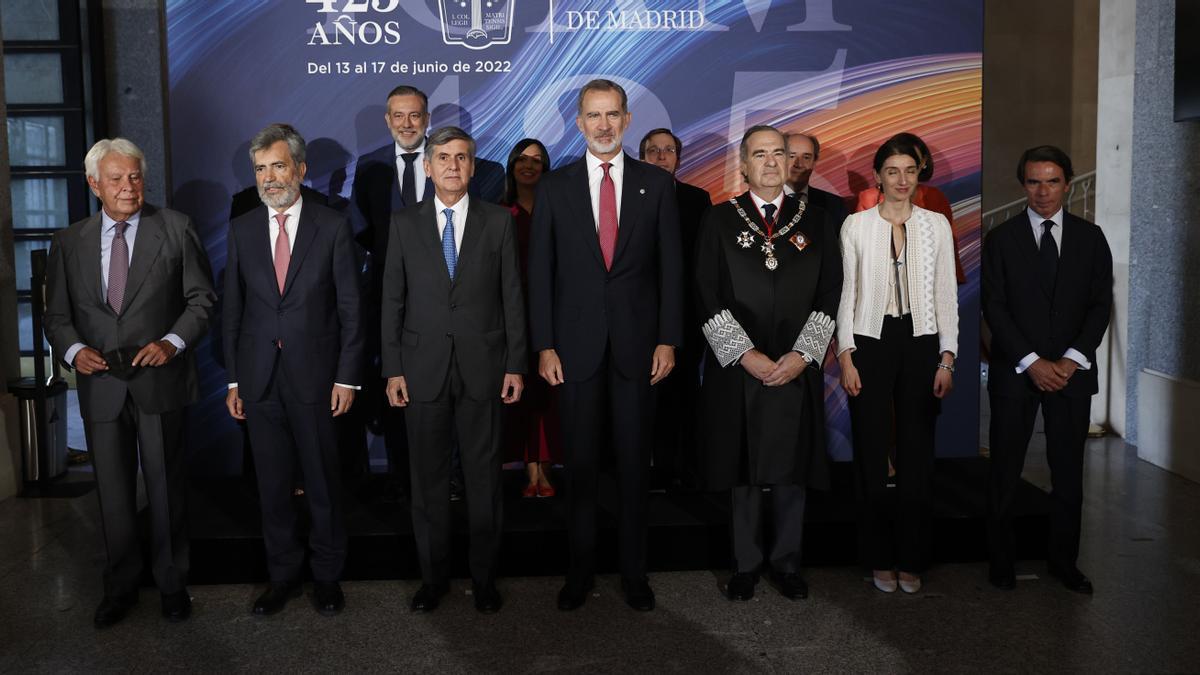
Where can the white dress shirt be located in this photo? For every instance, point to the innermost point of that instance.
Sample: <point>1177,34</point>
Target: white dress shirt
<point>108,231</point>
<point>1056,231</point>
<point>596,175</point>
<point>418,170</point>
<point>460,219</point>
<point>291,225</point>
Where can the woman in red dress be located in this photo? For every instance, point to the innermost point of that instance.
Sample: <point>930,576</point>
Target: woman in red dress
<point>532,433</point>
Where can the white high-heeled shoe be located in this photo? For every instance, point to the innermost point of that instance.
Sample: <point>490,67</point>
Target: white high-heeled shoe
<point>884,584</point>
<point>910,587</point>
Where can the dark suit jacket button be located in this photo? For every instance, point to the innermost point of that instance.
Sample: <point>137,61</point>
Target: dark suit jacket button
<point>453,306</point>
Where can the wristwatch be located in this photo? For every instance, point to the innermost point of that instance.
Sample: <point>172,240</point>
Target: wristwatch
<point>807,359</point>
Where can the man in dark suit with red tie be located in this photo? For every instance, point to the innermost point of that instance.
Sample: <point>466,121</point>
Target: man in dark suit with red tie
<point>606,309</point>
<point>1047,294</point>
<point>454,350</point>
<point>128,295</point>
<point>293,351</point>
<point>387,180</point>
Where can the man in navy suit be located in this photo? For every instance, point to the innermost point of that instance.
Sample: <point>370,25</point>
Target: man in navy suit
<point>387,180</point>
<point>1047,294</point>
<point>293,350</point>
<point>606,313</point>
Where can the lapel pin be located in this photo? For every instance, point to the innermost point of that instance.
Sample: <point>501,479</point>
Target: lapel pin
<point>642,191</point>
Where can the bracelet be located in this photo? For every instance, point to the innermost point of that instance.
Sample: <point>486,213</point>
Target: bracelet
<point>946,366</point>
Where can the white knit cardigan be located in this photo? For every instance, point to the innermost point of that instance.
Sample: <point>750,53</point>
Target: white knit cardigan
<point>867,265</point>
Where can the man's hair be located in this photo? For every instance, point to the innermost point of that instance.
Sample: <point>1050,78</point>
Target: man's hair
<point>405,90</point>
<point>444,135</point>
<point>601,85</point>
<point>274,133</point>
<point>655,132</point>
<point>750,132</point>
<point>1045,153</point>
<point>121,146</point>
<point>811,139</point>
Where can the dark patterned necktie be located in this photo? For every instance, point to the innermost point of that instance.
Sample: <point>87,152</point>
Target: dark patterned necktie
<point>118,268</point>
<point>1048,255</point>
<point>769,217</point>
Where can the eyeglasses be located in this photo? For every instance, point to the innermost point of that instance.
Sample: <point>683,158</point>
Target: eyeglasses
<point>655,150</point>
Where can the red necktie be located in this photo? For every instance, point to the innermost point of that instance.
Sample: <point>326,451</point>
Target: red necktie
<point>283,252</point>
<point>608,216</point>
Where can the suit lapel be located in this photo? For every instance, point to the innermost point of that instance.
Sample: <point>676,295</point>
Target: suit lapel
<point>89,258</point>
<point>431,239</point>
<point>470,242</point>
<point>633,203</point>
<point>306,232</point>
<point>145,250</point>
<point>1069,253</point>
<point>259,255</point>
<point>580,197</point>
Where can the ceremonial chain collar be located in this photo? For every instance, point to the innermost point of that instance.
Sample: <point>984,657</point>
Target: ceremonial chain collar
<point>746,240</point>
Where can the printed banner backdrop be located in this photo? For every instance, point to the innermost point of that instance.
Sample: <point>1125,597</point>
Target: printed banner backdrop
<point>851,72</point>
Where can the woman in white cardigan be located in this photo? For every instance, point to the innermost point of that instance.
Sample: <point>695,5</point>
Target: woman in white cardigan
<point>897,332</point>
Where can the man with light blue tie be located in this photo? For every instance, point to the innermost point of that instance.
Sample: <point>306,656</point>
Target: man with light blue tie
<point>453,351</point>
<point>128,290</point>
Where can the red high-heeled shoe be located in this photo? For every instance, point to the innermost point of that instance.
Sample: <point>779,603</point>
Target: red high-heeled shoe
<point>530,490</point>
<point>547,491</point>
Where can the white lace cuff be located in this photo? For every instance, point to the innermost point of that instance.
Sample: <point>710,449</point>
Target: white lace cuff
<point>726,337</point>
<point>815,336</point>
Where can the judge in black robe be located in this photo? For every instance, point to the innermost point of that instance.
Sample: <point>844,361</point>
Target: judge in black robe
<point>760,430</point>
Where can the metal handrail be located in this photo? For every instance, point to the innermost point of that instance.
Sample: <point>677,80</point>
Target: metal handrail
<point>1081,200</point>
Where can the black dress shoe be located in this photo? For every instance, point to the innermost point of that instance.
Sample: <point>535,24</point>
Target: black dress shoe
<point>638,594</point>
<point>328,598</point>
<point>791,585</point>
<point>1072,579</point>
<point>574,593</point>
<point>276,597</point>
<point>487,598</point>
<point>741,586</point>
<point>1004,579</point>
<point>176,607</point>
<point>428,595</point>
<point>113,608</point>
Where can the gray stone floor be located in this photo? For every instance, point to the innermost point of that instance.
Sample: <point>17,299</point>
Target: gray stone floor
<point>1141,548</point>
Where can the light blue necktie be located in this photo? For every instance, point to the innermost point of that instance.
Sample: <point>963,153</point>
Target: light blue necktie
<point>448,243</point>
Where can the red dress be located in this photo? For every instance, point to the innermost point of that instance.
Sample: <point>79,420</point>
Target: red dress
<point>531,429</point>
<point>927,197</point>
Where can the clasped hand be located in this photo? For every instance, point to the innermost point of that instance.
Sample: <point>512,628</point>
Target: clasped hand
<point>773,373</point>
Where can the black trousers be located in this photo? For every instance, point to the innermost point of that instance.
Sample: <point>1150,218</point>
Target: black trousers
<point>286,433</point>
<point>117,448</point>
<point>897,373</point>
<point>607,413</point>
<point>675,422</point>
<point>1066,424</point>
<point>746,528</point>
<point>433,427</point>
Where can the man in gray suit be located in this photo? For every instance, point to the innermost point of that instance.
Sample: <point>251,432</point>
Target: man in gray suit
<point>454,348</point>
<point>129,289</point>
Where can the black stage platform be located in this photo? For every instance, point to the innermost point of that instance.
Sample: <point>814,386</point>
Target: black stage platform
<point>687,530</point>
